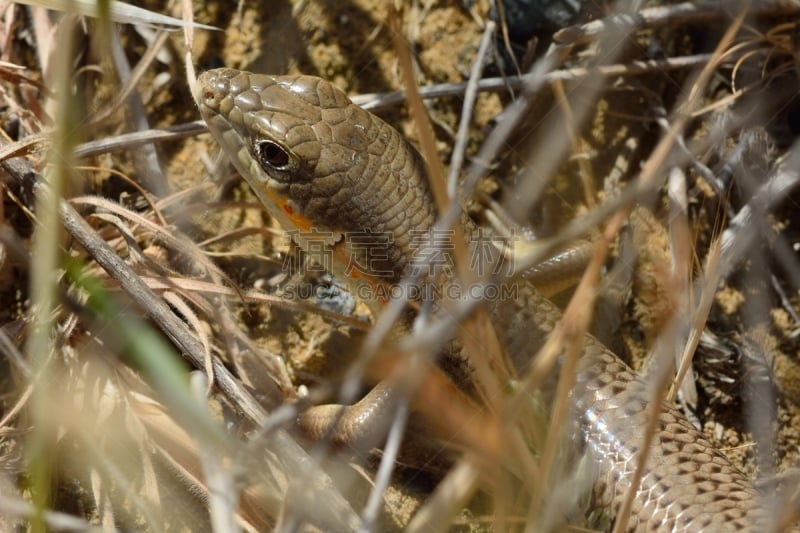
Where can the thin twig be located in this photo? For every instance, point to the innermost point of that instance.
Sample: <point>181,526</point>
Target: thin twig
<point>687,12</point>
<point>377,102</point>
<point>470,94</point>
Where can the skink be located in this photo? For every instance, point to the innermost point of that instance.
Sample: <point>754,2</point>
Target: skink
<point>316,160</point>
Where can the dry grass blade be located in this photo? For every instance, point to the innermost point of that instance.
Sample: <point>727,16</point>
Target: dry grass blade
<point>118,11</point>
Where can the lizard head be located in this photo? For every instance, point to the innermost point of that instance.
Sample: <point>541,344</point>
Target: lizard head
<point>317,160</point>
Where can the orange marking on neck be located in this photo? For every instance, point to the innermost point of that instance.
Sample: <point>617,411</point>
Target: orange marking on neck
<point>302,223</point>
<point>377,288</point>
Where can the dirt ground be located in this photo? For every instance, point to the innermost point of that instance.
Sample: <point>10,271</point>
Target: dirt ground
<point>745,385</point>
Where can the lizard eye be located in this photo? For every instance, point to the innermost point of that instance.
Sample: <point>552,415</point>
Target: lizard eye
<point>271,154</point>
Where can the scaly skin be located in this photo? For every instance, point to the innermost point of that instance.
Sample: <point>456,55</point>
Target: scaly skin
<point>317,160</point>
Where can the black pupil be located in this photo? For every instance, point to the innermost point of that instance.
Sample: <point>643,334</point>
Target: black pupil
<point>273,155</point>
